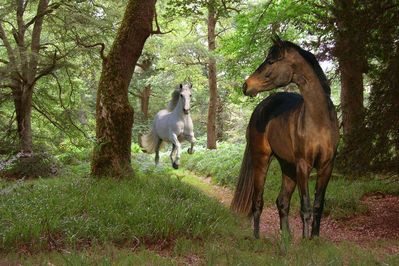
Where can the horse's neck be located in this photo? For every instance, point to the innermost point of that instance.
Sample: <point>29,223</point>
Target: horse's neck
<point>316,102</point>
<point>178,111</point>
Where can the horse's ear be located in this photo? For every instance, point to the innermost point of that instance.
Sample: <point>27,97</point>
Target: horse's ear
<point>277,40</point>
<point>180,86</point>
<point>191,86</point>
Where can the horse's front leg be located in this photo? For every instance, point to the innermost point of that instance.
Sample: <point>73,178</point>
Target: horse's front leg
<point>176,144</point>
<point>172,153</point>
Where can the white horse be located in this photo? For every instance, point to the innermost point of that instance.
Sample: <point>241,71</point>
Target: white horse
<point>172,125</point>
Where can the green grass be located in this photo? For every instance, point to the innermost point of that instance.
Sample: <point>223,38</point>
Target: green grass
<point>75,211</point>
<point>234,250</point>
<point>343,196</point>
<point>98,255</point>
<point>75,220</point>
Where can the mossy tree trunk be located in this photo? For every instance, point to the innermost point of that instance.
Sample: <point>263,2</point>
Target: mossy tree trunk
<point>114,115</point>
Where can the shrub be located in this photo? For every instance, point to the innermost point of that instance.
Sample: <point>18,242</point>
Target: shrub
<point>40,164</point>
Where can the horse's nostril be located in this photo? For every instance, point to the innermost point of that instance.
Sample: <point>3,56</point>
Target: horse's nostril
<point>244,87</point>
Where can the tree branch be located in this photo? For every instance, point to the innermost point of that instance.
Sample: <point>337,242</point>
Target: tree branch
<point>63,106</point>
<point>35,43</point>
<point>7,44</point>
<point>229,7</point>
<point>158,30</point>
<point>135,94</point>
<point>48,70</point>
<point>102,45</point>
<point>50,9</point>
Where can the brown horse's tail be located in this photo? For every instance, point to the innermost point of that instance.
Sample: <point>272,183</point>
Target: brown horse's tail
<point>242,200</point>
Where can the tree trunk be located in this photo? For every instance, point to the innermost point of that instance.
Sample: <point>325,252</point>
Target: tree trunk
<point>114,115</point>
<point>145,101</point>
<point>351,97</point>
<point>211,125</point>
<point>350,52</point>
<point>23,109</point>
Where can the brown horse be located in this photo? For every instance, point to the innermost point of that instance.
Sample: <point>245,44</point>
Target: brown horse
<point>300,130</point>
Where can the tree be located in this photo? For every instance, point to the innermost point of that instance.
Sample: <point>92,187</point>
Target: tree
<point>27,61</point>
<point>212,80</point>
<point>114,115</point>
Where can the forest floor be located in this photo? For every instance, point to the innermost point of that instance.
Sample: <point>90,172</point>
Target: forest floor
<point>377,228</point>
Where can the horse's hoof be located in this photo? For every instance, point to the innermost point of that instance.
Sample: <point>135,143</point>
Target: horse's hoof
<point>190,151</point>
<point>175,165</point>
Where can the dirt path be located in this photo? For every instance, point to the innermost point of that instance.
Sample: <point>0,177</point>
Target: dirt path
<point>378,228</point>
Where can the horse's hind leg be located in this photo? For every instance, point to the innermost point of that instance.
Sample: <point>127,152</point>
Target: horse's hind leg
<point>288,185</point>
<point>261,155</point>
<point>157,151</point>
<point>191,139</point>
<point>323,176</point>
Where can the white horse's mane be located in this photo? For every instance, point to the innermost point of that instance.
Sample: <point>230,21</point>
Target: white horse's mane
<point>175,99</point>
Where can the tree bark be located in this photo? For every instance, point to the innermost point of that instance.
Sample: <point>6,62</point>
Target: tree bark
<point>145,101</point>
<point>114,115</point>
<point>212,81</point>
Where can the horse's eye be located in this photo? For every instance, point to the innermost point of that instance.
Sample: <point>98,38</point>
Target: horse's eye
<point>190,96</point>
<point>181,95</point>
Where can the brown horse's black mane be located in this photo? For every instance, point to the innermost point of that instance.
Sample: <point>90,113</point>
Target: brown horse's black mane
<point>277,50</point>
<point>273,106</point>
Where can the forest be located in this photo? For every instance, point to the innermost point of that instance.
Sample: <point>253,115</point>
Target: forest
<point>82,82</point>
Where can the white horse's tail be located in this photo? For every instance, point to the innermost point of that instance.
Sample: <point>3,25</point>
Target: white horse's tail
<point>149,142</point>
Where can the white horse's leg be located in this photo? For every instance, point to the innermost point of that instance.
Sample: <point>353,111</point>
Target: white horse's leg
<point>157,147</point>
<point>191,139</point>
<point>176,142</point>
<point>172,153</point>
